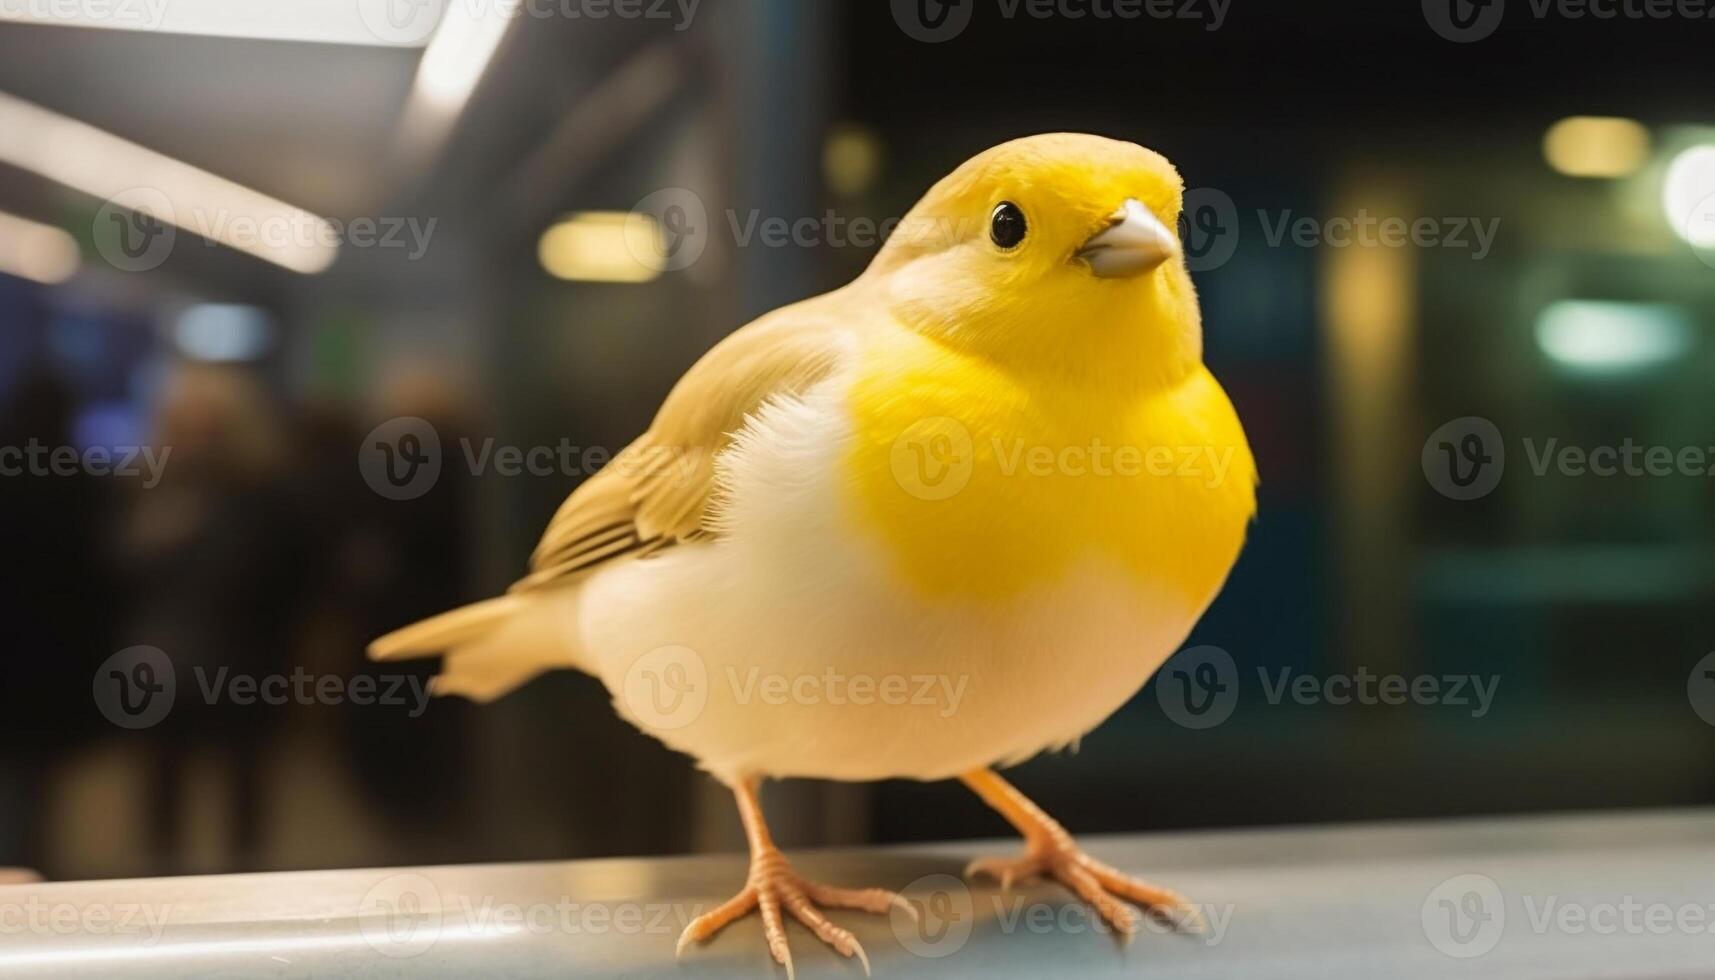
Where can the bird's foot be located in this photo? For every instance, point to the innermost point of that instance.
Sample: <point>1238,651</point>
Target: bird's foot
<point>1099,884</point>
<point>774,887</point>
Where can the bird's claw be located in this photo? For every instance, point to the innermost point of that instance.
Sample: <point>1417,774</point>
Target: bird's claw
<point>1102,886</point>
<point>775,888</point>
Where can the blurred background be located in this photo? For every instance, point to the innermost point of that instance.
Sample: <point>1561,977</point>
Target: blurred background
<point>244,247</point>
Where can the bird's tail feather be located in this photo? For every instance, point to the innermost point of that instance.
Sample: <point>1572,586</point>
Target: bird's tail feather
<point>492,646</point>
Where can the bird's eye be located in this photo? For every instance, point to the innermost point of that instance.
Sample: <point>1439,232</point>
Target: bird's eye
<point>1006,225</point>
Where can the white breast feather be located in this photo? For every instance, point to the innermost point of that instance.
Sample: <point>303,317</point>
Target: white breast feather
<point>793,596</point>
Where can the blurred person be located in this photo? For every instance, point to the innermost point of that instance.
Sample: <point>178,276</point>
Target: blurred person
<point>57,523</point>
<point>408,558</point>
<point>213,562</point>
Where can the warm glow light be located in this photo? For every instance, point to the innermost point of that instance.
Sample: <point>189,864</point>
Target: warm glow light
<point>603,246</point>
<point>851,159</point>
<point>1688,195</point>
<point>1607,337</point>
<point>1596,146</point>
<point>38,252</point>
<point>102,165</point>
<point>324,21</point>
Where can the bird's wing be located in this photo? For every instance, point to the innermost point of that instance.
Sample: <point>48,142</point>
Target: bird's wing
<point>656,493</point>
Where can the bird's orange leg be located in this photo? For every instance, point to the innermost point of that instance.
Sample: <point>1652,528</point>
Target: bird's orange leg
<point>772,886</point>
<point>1050,851</point>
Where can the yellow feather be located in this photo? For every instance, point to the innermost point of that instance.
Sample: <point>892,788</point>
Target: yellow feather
<point>1021,415</point>
<point>983,487</point>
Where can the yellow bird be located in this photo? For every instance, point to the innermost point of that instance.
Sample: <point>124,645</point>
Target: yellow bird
<point>936,521</point>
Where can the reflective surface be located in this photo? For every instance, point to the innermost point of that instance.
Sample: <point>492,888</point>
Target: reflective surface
<point>1614,897</point>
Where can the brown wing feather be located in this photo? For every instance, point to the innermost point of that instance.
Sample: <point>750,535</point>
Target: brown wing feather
<point>656,493</point>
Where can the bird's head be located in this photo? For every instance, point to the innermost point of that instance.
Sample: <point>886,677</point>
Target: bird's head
<point>1054,254</point>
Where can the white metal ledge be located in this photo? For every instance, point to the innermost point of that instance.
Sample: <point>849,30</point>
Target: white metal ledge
<point>1629,897</point>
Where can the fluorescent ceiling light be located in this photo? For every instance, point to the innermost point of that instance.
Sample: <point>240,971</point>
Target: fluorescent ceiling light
<point>399,23</point>
<point>1596,146</point>
<point>34,251</point>
<point>603,246</point>
<point>1688,195</point>
<point>1607,337</point>
<point>102,165</point>
<point>458,54</point>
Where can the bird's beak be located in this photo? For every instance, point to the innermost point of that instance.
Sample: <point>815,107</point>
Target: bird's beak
<point>1133,244</point>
